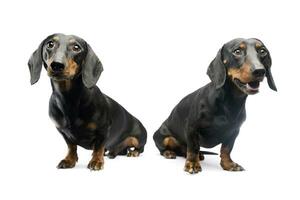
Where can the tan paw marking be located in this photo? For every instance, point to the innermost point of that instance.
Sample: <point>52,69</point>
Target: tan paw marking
<point>96,165</point>
<point>133,153</point>
<point>65,164</point>
<point>169,154</point>
<point>192,167</point>
<point>231,166</point>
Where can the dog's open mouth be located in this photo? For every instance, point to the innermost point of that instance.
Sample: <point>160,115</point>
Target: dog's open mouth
<point>248,88</point>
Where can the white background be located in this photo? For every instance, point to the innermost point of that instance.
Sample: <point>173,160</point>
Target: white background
<point>154,53</point>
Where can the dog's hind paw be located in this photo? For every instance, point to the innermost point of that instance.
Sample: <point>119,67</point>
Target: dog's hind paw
<point>201,156</point>
<point>133,153</point>
<point>169,154</point>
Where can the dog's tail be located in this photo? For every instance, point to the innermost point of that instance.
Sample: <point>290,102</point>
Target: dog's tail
<point>208,153</point>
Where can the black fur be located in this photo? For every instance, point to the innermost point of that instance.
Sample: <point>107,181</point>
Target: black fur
<point>76,101</point>
<point>213,114</point>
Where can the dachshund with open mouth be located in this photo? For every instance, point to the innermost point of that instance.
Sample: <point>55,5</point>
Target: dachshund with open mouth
<point>81,112</point>
<point>213,114</point>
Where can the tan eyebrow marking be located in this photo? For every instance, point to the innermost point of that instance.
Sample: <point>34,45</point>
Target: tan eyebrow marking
<point>56,38</point>
<point>257,45</point>
<point>242,46</point>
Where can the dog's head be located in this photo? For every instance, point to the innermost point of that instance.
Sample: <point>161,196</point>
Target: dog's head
<point>65,57</point>
<point>245,62</point>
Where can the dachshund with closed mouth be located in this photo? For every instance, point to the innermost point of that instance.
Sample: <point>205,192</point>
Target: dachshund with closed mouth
<point>213,114</point>
<point>81,112</point>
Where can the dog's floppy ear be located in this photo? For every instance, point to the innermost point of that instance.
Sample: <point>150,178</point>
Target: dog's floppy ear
<point>35,64</point>
<point>267,62</point>
<point>91,69</point>
<point>216,71</point>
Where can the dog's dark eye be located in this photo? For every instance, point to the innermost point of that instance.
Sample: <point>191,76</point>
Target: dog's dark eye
<point>76,48</point>
<point>50,45</point>
<point>237,52</point>
<point>262,52</point>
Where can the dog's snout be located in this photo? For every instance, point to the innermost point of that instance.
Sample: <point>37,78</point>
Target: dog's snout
<point>57,66</point>
<point>259,72</point>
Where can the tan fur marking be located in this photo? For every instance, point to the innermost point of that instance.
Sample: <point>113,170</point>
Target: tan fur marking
<point>243,73</point>
<point>242,45</point>
<point>56,38</point>
<point>98,154</point>
<point>133,153</point>
<point>72,153</point>
<point>71,158</point>
<point>258,45</point>
<point>97,161</point>
<point>131,142</point>
<point>227,163</point>
<point>192,156</point>
<point>92,126</point>
<point>127,144</point>
<point>225,156</point>
<point>71,69</point>
<point>170,142</point>
<point>169,154</point>
<point>192,163</point>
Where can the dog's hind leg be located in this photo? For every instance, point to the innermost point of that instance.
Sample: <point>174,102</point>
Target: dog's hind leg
<point>167,144</point>
<point>129,146</point>
<point>132,145</point>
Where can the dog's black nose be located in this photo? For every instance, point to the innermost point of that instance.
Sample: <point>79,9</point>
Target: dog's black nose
<point>259,72</point>
<point>57,66</point>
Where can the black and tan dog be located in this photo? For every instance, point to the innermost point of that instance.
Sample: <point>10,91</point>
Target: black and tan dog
<point>213,114</point>
<point>81,112</point>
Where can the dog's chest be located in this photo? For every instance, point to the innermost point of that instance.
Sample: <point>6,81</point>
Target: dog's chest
<point>72,125</point>
<point>219,128</point>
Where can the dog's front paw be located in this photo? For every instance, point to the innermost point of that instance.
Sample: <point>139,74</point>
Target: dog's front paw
<point>231,166</point>
<point>192,167</point>
<point>96,165</point>
<point>66,163</point>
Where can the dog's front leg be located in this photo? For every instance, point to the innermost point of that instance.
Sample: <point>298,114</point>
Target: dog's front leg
<point>70,160</point>
<point>97,161</point>
<point>192,164</point>
<point>226,162</point>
